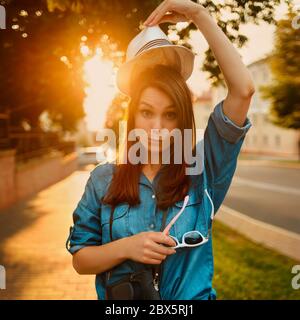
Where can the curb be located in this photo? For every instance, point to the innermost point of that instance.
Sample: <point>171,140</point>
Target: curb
<point>273,237</point>
<point>268,163</point>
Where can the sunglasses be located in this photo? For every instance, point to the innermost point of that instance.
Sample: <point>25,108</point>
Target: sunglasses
<point>190,238</point>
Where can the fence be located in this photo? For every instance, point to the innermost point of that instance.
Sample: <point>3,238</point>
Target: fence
<point>30,144</point>
<point>4,129</point>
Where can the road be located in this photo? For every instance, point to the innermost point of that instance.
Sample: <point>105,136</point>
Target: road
<point>269,194</point>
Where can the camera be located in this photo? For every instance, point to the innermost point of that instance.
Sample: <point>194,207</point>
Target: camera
<point>134,286</point>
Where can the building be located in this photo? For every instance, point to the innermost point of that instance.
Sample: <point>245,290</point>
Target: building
<point>264,138</point>
<point>203,107</point>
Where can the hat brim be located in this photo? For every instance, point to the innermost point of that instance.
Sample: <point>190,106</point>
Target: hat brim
<point>176,56</point>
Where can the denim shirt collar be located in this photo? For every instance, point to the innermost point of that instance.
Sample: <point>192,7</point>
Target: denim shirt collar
<point>193,196</point>
<point>144,180</point>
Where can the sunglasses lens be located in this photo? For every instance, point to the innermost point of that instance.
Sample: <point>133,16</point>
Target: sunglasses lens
<point>193,238</point>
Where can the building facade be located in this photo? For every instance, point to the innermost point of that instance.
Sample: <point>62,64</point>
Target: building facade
<point>264,138</point>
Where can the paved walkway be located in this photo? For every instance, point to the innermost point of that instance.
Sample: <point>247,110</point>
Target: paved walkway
<point>270,163</point>
<point>32,245</point>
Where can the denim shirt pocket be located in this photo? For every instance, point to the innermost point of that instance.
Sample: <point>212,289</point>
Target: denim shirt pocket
<point>193,217</point>
<point>120,223</point>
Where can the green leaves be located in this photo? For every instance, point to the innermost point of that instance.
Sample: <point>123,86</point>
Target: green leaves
<point>33,73</point>
<point>284,93</point>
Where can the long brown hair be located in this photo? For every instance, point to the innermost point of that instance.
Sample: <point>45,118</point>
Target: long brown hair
<point>173,181</point>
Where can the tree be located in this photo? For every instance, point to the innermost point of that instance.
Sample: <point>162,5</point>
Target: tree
<point>120,20</point>
<point>284,92</point>
<point>41,67</point>
<point>115,113</point>
<point>41,48</point>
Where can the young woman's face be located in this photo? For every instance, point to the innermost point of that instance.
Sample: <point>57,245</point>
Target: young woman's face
<point>155,110</point>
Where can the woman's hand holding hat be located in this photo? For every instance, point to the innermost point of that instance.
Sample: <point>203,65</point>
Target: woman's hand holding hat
<point>174,11</point>
<point>151,46</point>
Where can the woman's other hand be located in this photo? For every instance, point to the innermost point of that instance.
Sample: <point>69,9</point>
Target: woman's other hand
<point>149,247</point>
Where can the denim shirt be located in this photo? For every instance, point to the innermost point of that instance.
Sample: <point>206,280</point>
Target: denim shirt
<point>187,274</point>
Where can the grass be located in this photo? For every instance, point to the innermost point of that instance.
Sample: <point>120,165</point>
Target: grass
<point>245,270</point>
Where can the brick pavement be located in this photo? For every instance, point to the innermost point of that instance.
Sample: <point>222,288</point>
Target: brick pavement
<point>32,245</point>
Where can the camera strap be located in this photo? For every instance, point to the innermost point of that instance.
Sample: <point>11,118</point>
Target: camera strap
<point>156,269</point>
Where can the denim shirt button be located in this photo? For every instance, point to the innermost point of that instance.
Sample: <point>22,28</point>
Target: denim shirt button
<point>152,226</point>
<point>153,196</point>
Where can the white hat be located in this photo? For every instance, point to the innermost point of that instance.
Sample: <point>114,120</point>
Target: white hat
<point>152,46</point>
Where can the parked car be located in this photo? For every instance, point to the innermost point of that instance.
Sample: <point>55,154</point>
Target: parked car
<point>91,155</point>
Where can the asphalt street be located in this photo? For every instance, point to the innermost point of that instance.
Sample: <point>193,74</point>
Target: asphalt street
<point>268,194</point>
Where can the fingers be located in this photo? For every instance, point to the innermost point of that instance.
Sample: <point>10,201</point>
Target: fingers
<point>153,261</point>
<point>173,17</point>
<point>173,242</point>
<point>154,12</point>
<point>156,15</point>
<point>168,18</point>
<point>158,248</point>
<point>170,243</point>
<point>153,250</point>
<point>165,18</point>
<point>162,238</point>
<point>155,255</point>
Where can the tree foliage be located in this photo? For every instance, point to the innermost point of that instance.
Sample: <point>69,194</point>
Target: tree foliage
<point>120,20</point>
<point>284,92</point>
<point>34,76</point>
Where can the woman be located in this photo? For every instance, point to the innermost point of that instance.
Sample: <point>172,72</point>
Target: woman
<point>128,237</point>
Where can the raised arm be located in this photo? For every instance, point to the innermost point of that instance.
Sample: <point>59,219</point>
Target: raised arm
<point>237,77</point>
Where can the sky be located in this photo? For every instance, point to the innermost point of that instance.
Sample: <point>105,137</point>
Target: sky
<point>260,43</point>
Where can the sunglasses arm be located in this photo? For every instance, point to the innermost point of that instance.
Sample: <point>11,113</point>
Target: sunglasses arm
<point>168,227</point>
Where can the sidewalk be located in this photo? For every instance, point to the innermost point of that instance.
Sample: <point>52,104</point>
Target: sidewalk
<point>32,245</point>
<point>275,163</point>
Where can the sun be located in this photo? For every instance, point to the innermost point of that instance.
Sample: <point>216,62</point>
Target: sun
<point>101,88</point>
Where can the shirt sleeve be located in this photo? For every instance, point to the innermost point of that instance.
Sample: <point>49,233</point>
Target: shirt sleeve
<point>86,229</point>
<point>223,140</point>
